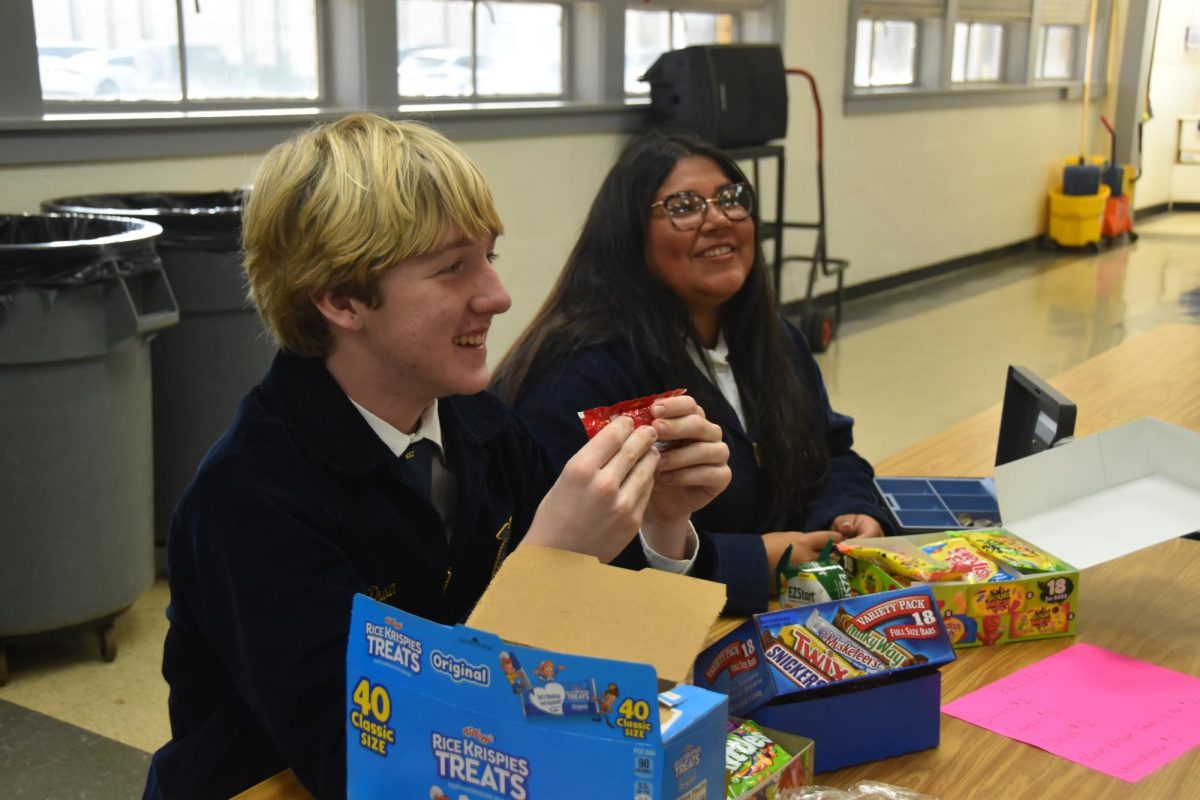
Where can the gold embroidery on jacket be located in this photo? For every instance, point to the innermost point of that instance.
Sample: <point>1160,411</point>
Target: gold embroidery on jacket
<point>381,593</point>
<point>502,536</point>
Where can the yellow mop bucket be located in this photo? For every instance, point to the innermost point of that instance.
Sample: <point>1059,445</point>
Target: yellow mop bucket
<point>1075,220</point>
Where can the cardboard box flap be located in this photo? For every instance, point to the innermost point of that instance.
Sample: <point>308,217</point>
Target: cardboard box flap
<point>1106,495</point>
<point>569,602</point>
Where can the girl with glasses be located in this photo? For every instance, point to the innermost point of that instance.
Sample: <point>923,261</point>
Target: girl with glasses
<point>667,287</point>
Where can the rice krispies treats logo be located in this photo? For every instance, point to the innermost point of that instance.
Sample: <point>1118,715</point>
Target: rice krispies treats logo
<point>688,761</point>
<point>471,759</point>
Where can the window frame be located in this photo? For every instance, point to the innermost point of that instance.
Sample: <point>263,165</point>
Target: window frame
<point>972,24</point>
<point>33,131</point>
<point>671,10</point>
<point>917,51</point>
<point>566,95</point>
<point>187,104</point>
<point>1040,51</point>
<point>934,88</point>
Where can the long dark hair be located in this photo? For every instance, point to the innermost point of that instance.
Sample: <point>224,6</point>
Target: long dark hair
<point>609,261</point>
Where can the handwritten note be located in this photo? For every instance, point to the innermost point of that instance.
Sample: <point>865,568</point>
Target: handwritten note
<point>1109,712</point>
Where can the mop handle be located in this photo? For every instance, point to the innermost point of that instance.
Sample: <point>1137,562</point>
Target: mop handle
<point>1087,81</point>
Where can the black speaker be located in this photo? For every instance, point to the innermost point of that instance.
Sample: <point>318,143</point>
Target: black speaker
<point>730,94</point>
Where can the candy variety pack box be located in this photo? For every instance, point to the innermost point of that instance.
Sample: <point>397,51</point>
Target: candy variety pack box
<point>818,670</point>
<point>1033,595</point>
<point>458,713</point>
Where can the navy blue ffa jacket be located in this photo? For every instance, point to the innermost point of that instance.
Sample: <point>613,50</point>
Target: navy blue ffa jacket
<point>294,510</point>
<point>733,522</point>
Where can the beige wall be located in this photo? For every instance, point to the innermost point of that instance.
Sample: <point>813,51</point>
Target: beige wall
<point>1174,91</point>
<point>904,190</point>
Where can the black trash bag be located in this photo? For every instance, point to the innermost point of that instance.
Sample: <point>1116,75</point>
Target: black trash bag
<point>205,221</point>
<point>53,250</point>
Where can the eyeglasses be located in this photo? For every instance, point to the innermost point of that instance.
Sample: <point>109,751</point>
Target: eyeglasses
<point>687,210</point>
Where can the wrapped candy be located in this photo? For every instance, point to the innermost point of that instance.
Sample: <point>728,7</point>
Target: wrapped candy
<point>751,757</point>
<point>959,551</point>
<point>1010,550</point>
<point>638,410</point>
<point>810,582</point>
<point>911,567</point>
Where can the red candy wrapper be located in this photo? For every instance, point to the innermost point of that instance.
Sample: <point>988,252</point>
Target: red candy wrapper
<point>637,410</point>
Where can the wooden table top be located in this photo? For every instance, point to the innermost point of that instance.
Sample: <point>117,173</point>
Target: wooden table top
<point>1143,605</point>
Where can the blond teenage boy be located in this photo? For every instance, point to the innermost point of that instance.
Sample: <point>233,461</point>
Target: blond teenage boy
<point>370,459</point>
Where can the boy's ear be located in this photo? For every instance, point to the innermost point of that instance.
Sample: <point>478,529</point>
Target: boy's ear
<point>341,310</point>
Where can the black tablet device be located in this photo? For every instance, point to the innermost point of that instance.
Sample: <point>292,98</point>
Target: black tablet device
<point>1034,418</point>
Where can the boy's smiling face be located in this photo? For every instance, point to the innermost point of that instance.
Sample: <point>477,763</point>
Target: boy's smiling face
<point>428,335</point>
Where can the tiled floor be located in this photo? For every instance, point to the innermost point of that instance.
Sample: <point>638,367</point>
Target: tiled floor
<point>905,364</point>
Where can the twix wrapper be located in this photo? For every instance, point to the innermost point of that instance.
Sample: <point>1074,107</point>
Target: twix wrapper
<point>817,654</point>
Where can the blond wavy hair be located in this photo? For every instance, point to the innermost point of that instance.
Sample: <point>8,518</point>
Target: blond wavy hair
<point>337,205</point>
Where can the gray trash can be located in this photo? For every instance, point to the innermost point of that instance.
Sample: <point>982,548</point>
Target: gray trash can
<point>204,366</point>
<point>80,299</point>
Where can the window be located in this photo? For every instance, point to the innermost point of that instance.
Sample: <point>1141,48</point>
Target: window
<point>1056,52</point>
<point>1062,38</point>
<point>129,50</point>
<point>649,34</point>
<point>886,54</point>
<point>140,78</point>
<point>924,54</point>
<point>468,49</point>
<point>978,52</point>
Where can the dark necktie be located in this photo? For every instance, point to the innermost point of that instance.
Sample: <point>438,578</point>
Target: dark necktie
<point>416,466</point>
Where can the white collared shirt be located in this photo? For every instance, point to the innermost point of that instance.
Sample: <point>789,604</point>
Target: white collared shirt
<point>718,358</point>
<point>442,485</point>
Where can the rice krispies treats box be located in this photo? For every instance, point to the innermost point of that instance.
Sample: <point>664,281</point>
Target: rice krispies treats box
<point>458,713</point>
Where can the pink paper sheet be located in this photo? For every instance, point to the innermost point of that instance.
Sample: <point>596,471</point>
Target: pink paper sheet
<point>1115,714</point>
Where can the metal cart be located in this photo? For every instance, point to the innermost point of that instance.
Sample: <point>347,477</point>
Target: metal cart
<point>818,319</point>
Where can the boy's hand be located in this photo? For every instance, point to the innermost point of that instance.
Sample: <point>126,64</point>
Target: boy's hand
<point>597,503</point>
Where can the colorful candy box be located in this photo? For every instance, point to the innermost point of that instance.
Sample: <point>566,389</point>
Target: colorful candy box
<point>1031,595</point>
<point>819,670</point>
